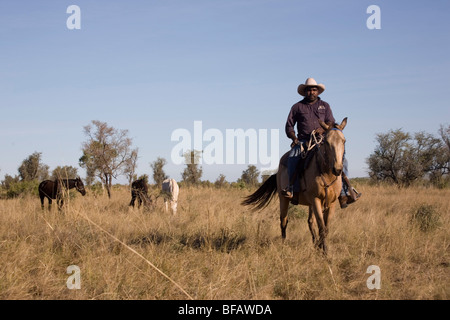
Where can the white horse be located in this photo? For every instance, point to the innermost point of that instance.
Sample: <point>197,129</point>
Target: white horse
<point>171,189</point>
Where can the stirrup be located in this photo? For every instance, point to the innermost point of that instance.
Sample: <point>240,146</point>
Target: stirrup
<point>343,200</point>
<point>352,199</point>
<point>288,192</point>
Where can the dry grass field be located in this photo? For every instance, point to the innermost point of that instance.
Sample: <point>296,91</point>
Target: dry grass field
<point>216,249</point>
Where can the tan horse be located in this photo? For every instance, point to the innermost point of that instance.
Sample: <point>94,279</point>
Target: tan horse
<point>320,185</point>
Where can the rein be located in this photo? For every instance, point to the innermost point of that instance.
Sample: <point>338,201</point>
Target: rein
<point>325,184</point>
<point>312,144</point>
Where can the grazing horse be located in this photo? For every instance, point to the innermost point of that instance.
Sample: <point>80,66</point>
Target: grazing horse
<point>53,190</point>
<point>139,190</point>
<point>170,190</point>
<point>320,185</point>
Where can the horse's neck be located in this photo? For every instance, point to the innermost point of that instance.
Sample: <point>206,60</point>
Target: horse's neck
<point>68,183</point>
<point>322,162</point>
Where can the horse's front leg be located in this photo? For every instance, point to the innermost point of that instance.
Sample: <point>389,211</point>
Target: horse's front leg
<point>312,224</point>
<point>284,206</point>
<point>318,214</point>
<point>140,201</point>
<point>328,214</point>
<point>60,202</point>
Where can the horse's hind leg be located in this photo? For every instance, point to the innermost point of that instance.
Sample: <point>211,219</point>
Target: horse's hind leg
<point>132,201</point>
<point>49,204</point>
<point>284,206</point>
<point>60,202</point>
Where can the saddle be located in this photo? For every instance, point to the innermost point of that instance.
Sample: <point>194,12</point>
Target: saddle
<point>309,148</point>
<point>301,167</point>
<point>303,163</point>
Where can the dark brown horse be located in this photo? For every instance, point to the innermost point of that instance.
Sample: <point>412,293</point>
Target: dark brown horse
<point>54,190</point>
<point>139,190</point>
<point>321,185</point>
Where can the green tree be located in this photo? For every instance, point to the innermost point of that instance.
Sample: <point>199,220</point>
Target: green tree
<point>193,172</point>
<point>387,161</point>
<point>250,176</point>
<point>444,155</point>
<point>64,172</point>
<point>439,173</point>
<point>8,181</point>
<point>33,169</point>
<point>221,181</point>
<point>401,159</point>
<point>158,170</point>
<point>106,152</point>
<point>131,166</point>
<point>31,172</point>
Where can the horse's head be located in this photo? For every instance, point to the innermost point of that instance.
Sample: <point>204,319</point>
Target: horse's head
<point>335,145</point>
<point>149,204</point>
<point>80,186</point>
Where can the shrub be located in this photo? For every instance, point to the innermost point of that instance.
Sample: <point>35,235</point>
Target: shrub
<point>20,188</point>
<point>425,217</point>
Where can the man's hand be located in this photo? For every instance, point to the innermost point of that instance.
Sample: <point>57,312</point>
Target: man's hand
<point>320,130</point>
<point>293,136</point>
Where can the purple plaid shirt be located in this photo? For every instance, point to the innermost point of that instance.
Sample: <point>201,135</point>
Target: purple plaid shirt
<point>306,117</point>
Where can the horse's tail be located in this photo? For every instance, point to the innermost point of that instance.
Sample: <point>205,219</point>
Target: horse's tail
<point>262,197</point>
<point>41,188</point>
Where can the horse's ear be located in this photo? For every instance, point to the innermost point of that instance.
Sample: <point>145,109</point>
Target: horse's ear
<point>343,124</point>
<point>324,125</point>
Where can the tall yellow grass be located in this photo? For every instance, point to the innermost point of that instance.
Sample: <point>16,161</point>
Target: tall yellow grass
<point>216,249</point>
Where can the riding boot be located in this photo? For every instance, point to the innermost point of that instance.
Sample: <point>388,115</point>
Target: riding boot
<point>294,200</point>
<point>295,163</point>
<point>288,192</point>
<point>352,195</point>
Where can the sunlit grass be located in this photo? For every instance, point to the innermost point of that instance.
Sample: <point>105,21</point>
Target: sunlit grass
<point>216,249</point>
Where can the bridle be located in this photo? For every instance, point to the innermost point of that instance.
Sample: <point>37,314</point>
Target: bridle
<point>77,186</point>
<point>325,184</point>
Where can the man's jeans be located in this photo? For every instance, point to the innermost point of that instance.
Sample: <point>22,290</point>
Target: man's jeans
<point>293,159</point>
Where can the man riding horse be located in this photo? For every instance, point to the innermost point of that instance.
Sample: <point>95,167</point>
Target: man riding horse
<point>306,114</point>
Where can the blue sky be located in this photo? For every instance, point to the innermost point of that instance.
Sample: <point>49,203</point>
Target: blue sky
<point>152,67</point>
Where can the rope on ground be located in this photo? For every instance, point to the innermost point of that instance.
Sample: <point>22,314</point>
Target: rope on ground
<point>137,253</point>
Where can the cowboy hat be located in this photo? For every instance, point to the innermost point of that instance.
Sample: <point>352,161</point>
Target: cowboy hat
<point>310,82</point>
